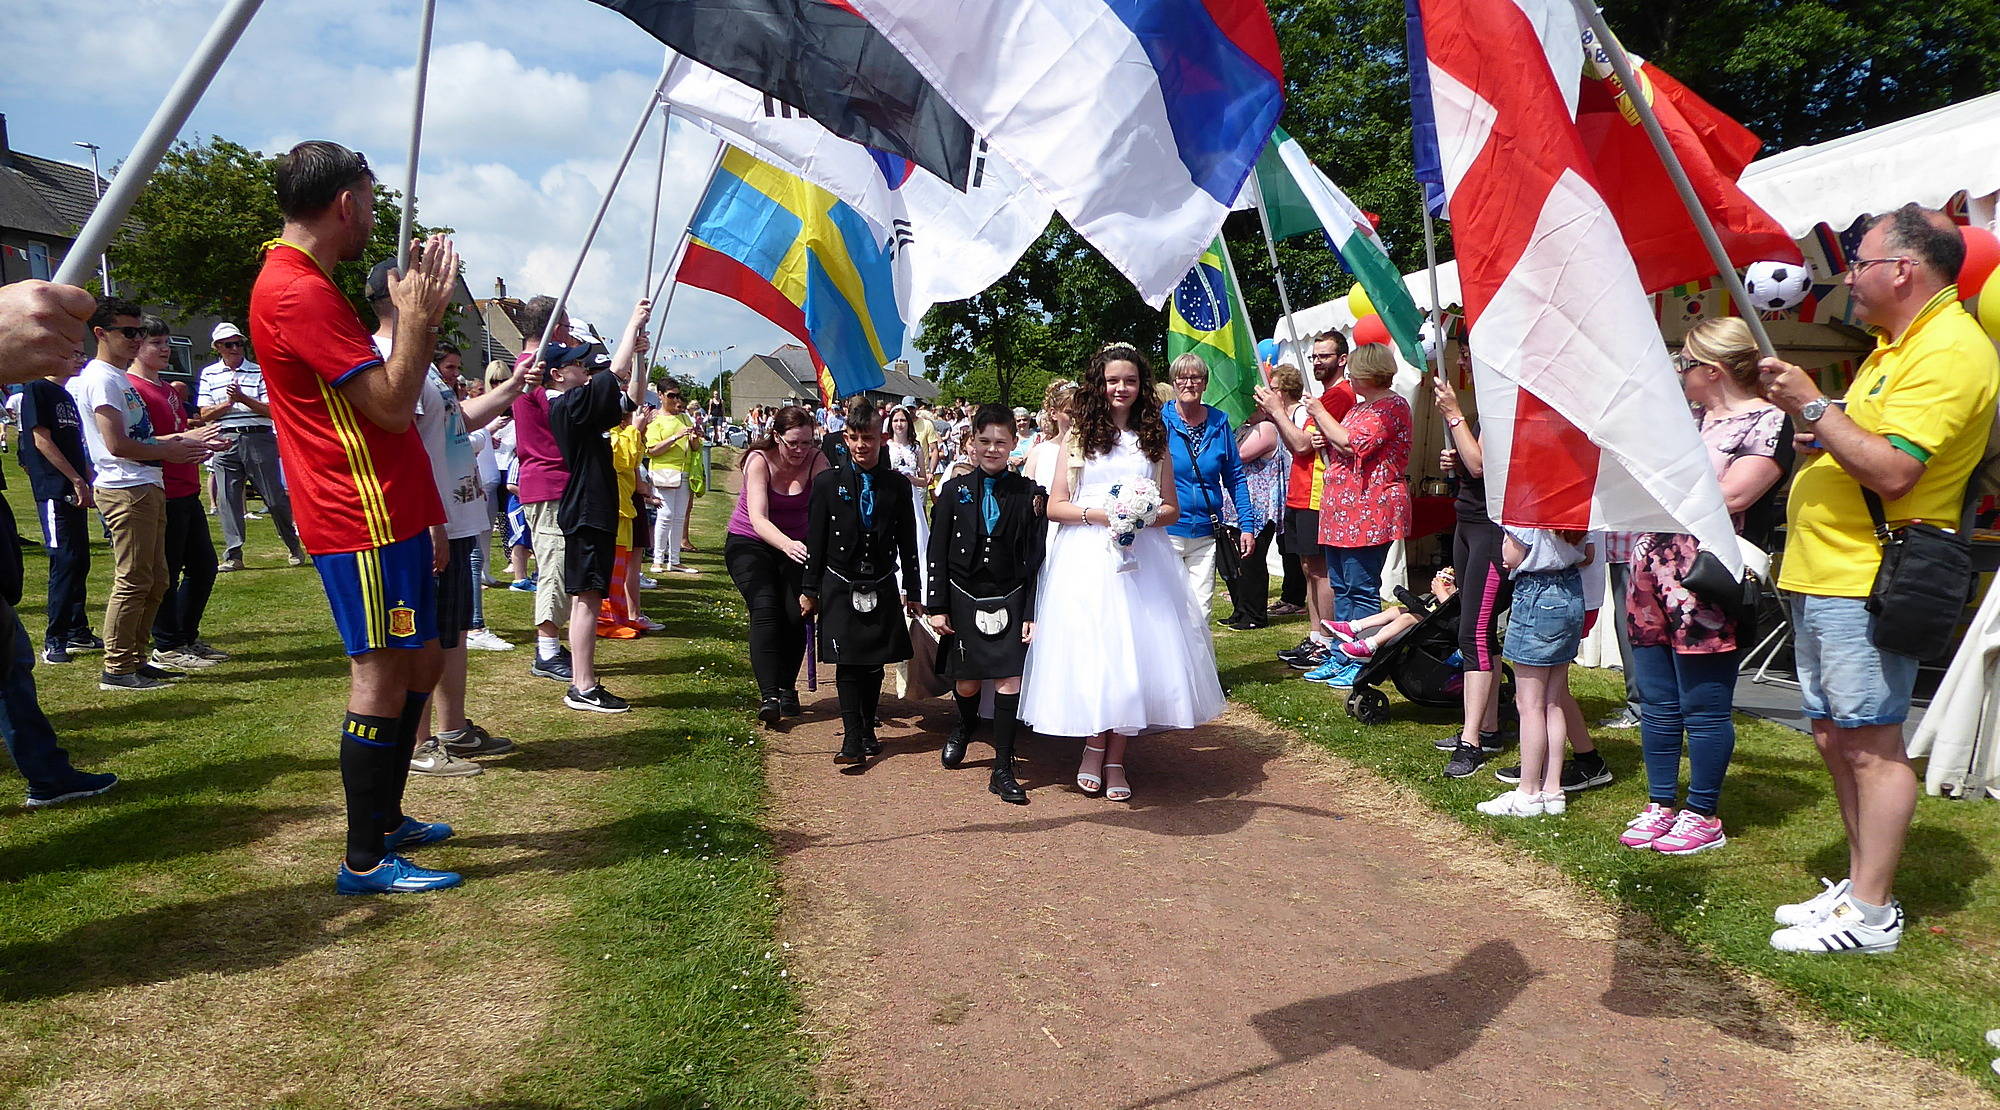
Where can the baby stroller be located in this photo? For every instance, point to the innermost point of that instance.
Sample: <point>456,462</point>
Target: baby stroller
<point>1423,665</point>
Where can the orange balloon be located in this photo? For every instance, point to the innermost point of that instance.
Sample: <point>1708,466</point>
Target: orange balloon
<point>1982,256</point>
<point>1370,329</point>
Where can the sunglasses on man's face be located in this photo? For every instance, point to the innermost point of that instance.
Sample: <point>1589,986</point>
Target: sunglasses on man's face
<point>230,345</point>
<point>134,334</point>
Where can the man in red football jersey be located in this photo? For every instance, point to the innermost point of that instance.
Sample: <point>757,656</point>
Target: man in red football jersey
<point>363,496</point>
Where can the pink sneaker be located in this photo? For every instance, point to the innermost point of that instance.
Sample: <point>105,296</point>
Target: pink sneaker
<point>1341,630</point>
<point>1654,822</point>
<point>1691,833</point>
<point>1357,649</point>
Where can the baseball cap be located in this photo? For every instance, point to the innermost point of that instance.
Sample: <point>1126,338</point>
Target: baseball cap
<point>224,330</point>
<point>555,354</point>
<point>378,280</point>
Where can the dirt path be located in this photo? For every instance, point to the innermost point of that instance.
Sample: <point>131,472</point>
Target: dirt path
<point>1255,929</point>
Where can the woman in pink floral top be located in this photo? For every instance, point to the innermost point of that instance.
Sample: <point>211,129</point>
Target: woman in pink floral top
<point>1684,649</point>
<point>1365,505</point>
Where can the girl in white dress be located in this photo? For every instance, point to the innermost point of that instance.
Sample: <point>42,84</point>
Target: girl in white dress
<point>1116,652</point>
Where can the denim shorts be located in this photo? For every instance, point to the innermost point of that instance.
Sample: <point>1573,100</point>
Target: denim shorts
<point>1843,676</point>
<point>1545,623</point>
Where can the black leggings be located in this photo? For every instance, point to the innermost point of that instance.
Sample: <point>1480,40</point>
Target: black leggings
<point>1250,591</point>
<point>769,583</point>
<point>1484,591</point>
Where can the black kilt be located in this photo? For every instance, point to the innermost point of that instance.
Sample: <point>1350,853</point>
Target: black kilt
<point>968,653</point>
<point>857,639</point>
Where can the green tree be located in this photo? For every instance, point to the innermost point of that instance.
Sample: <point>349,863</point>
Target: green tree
<point>199,227</point>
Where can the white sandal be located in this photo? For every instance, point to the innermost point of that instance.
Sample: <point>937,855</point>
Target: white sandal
<point>1087,782</point>
<point>1117,793</point>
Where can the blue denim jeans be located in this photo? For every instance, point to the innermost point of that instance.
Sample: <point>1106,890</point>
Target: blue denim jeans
<point>1843,676</point>
<point>1355,575</point>
<point>31,740</point>
<point>1689,696</point>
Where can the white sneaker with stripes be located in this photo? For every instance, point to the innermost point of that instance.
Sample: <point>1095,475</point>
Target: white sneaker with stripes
<point>1843,930</point>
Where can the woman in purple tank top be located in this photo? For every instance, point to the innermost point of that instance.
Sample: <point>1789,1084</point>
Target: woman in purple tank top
<point>766,554</point>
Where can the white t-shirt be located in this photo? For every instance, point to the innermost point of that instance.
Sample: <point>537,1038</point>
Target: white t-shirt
<point>102,385</point>
<point>489,463</point>
<point>454,463</point>
<point>248,379</point>
<point>1546,550</point>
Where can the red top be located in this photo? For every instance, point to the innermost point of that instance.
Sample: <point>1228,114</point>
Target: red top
<point>1302,490</point>
<point>354,485</point>
<point>163,407</point>
<point>543,472</point>
<point>1367,502</point>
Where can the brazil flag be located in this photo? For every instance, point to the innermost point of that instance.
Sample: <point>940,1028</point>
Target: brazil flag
<point>1206,316</point>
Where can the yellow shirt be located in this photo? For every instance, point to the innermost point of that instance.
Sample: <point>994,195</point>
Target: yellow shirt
<point>681,455</point>
<point>625,460</point>
<point>1931,391</point>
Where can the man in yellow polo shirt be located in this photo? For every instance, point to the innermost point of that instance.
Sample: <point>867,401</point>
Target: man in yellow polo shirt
<point>1913,430</point>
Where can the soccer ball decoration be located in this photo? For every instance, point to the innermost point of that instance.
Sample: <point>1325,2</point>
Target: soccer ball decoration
<point>1774,286</point>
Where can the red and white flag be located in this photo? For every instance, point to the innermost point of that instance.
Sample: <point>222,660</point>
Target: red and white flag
<point>1581,414</point>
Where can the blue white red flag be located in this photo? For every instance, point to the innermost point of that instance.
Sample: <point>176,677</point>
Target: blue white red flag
<point>1570,373</point>
<point>948,243</point>
<point>1423,124</point>
<point>1139,119</point>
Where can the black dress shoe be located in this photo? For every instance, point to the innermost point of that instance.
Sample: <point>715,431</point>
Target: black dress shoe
<point>788,702</point>
<point>853,749</point>
<point>769,712</point>
<point>1003,784</point>
<point>954,749</point>
<point>872,744</point>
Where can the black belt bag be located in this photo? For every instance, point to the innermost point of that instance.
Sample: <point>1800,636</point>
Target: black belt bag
<point>1922,588</point>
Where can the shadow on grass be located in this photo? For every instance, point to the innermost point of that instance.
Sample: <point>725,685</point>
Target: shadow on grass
<point>243,775</point>
<point>1938,870</point>
<point>240,932</point>
<point>117,724</point>
<point>1653,977</point>
<point>149,835</point>
<point>1415,1024</point>
<point>263,928</point>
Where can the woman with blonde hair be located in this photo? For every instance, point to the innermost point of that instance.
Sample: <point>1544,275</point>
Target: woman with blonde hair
<point>1366,503</point>
<point>1265,470</point>
<point>1055,424</point>
<point>1684,649</point>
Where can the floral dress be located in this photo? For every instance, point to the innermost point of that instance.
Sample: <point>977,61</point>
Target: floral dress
<point>1366,502</point>
<point>1659,609</point>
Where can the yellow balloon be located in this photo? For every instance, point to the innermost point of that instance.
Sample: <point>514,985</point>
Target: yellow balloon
<point>1987,308</point>
<point>1358,303</point>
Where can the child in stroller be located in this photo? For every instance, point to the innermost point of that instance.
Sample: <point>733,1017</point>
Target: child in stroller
<point>1415,650</point>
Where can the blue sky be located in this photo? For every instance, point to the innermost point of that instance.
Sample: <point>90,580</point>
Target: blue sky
<point>529,106</point>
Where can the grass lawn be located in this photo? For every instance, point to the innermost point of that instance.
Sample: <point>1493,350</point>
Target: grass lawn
<point>1934,997</point>
<point>178,942</point>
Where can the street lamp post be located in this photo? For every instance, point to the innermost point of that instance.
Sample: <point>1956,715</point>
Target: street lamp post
<point>97,186</point>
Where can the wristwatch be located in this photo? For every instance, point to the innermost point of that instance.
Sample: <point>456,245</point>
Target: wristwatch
<point>1812,410</point>
<point>1454,422</point>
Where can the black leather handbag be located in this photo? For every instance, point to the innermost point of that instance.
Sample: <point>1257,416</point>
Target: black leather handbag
<point>1921,590</point>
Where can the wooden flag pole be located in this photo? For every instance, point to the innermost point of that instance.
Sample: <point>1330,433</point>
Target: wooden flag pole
<point>631,144</point>
<point>1635,95</point>
<point>173,112</point>
<point>423,74</point>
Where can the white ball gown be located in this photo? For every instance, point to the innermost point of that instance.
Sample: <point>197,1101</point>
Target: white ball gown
<point>1118,652</point>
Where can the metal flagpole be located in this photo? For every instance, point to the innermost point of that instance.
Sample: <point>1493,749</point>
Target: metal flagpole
<point>631,144</point>
<point>112,208</point>
<point>1635,93</point>
<point>659,186</point>
<point>423,76</point>
<point>1431,259</point>
<point>667,284</point>
<point>1271,248</point>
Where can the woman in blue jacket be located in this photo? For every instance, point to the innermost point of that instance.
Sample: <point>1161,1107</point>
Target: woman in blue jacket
<point>1205,464</point>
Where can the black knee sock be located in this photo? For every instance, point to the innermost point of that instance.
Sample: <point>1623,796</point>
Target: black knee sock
<point>851,686</point>
<point>968,712</point>
<point>1006,713</point>
<point>397,775</point>
<point>367,747</point>
<point>871,697</point>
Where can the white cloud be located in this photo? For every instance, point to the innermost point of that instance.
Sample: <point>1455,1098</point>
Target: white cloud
<point>529,105</point>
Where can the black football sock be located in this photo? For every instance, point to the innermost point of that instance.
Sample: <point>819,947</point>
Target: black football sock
<point>397,775</point>
<point>367,746</point>
<point>871,698</point>
<point>1006,714</point>
<point>968,712</point>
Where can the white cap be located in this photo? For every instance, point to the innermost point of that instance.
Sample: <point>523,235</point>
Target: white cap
<point>224,330</point>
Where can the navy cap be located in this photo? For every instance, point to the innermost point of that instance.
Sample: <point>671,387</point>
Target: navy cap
<point>555,354</point>
<point>377,288</point>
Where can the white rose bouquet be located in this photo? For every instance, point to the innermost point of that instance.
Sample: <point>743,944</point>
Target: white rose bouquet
<point>1129,507</point>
